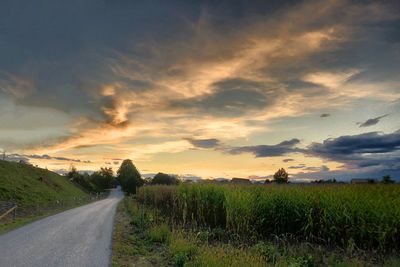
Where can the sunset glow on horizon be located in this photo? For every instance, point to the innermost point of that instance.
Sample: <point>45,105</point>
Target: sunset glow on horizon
<point>204,89</point>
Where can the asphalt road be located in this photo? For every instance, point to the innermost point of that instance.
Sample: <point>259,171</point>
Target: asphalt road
<point>77,237</point>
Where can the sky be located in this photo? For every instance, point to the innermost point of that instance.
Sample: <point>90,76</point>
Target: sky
<point>205,89</point>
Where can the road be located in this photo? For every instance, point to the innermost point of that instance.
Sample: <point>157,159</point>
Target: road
<point>77,237</point>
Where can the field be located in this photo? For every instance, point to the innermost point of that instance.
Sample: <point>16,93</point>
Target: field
<point>272,225</point>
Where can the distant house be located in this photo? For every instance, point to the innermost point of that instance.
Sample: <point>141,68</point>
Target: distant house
<point>215,181</point>
<point>221,180</point>
<point>362,181</point>
<point>257,181</point>
<point>240,181</point>
<point>322,181</point>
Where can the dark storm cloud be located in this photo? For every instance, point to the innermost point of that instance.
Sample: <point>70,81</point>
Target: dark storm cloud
<point>379,152</point>
<point>204,143</point>
<point>63,46</point>
<point>60,54</point>
<point>280,149</point>
<point>373,121</point>
<point>368,150</point>
<point>323,168</point>
<point>232,97</point>
<point>350,146</point>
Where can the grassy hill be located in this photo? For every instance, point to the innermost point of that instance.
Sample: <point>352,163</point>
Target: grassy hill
<point>31,186</point>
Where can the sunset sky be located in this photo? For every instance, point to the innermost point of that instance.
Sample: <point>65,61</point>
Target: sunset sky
<point>203,88</point>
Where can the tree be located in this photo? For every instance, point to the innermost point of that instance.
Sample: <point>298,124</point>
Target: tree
<point>82,180</point>
<point>129,177</point>
<point>163,178</point>
<point>281,176</point>
<point>387,179</point>
<point>104,178</point>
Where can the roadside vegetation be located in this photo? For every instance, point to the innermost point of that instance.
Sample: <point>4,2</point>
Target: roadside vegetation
<point>363,216</point>
<point>261,225</point>
<point>98,181</point>
<point>39,192</point>
<point>30,186</point>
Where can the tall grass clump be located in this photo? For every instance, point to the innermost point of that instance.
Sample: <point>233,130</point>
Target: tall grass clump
<point>359,216</point>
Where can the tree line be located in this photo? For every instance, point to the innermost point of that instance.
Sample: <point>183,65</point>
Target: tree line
<point>127,176</point>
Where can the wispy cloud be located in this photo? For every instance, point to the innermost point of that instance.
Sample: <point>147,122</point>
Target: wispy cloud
<point>180,73</point>
<point>27,158</point>
<point>371,122</point>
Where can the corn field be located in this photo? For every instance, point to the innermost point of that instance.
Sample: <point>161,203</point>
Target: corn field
<point>364,216</point>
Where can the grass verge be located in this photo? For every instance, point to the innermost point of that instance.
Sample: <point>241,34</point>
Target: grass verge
<point>135,242</point>
<point>27,216</point>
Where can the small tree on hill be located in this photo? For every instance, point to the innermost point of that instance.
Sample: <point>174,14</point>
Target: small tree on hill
<point>129,177</point>
<point>163,178</point>
<point>281,176</point>
<point>83,180</point>
<point>387,179</point>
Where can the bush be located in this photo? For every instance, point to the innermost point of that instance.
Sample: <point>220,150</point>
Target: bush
<point>164,179</point>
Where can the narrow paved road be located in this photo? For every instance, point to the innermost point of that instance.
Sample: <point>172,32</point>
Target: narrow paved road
<point>77,237</point>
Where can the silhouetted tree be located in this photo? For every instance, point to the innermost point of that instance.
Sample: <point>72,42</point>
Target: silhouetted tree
<point>281,176</point>
<point>72,171</point>
<point>166,179</point>
<point>82,180</point>
<point>129,177</point>
<point>104,178</point>
<point>387,179</point>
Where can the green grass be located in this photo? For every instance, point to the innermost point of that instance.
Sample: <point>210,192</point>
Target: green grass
<point>28,217</point>
<point>137,239</point>
<point>29,186</point>
<point>37,192</point>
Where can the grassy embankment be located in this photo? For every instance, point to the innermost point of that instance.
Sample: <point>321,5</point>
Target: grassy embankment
<point>37,192</point>
<point>210,225</point>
